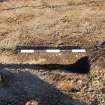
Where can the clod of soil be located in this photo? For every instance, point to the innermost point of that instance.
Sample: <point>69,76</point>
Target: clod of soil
<point>4,79</point>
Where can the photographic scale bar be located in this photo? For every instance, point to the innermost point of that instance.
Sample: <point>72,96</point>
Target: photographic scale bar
<point>52,51</point>
<point>40,49</point>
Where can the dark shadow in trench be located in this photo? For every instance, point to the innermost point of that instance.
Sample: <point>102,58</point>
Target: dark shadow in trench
<point>80,66</point>
<point>16,88</point>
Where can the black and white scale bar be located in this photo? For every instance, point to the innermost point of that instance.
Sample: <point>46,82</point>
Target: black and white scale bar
<point>52,51</point>
<point>49,49</point>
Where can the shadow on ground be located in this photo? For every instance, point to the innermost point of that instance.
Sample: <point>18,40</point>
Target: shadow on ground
<point>81,66</point>
<point>16,88</point>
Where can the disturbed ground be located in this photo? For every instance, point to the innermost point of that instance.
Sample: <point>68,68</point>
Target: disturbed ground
<point>52,79</point>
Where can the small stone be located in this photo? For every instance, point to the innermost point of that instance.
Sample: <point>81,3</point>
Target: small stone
<point>79,81</point>
<point>96,83</point>
<point>32,102</point>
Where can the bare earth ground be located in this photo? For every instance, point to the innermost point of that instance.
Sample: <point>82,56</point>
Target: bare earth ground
<point>52,22</point>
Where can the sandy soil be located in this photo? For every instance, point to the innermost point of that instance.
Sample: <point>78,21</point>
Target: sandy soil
<point>52,79</point>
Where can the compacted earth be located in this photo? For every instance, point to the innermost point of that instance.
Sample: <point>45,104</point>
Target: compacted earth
<point>52,79</point>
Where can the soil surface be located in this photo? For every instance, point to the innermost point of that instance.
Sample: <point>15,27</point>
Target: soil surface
<point>52,79</point>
